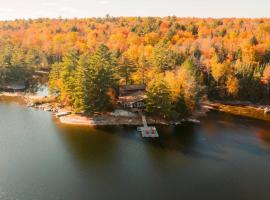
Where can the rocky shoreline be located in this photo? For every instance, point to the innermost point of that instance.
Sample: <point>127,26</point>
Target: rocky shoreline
<point>65,115</point>
<point>105,120</point>
<point>109,120</point>
<point>50,104</point>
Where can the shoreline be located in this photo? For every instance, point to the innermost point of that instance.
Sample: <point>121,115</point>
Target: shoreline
<point>49,104</point>
<point>108,119</point>
<point>246,109</point>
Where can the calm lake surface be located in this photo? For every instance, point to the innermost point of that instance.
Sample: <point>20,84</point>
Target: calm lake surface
<point>224,157</point>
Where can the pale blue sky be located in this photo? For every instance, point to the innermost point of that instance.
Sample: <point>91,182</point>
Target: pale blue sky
<point>11,9</point>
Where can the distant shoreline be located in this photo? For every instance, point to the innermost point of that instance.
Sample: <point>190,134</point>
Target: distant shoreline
<point>246,109</point>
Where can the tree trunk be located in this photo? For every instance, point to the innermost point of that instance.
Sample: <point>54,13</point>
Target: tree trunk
<point>268,90</point>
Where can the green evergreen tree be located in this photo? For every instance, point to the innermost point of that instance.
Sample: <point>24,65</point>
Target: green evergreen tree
<point>253,41</point>
<point>164,58</point>
<point>54,78</point>
<point>67,76</point>
<point>82,83</point>
<point>125,69</point>
<point>14,65</point>
<point>181,109</point>
<point>100,79</point>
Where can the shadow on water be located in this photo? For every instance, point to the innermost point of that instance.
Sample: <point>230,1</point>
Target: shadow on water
<point>92,144</point>
<point>180,138</point>
<point>213,140</point>
<point>89,145</point>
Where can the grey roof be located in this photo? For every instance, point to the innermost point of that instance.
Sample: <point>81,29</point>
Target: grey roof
<point>132,87</point>
<point>133,97</point>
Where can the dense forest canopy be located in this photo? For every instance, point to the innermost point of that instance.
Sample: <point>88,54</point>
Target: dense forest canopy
<point>179,59</point>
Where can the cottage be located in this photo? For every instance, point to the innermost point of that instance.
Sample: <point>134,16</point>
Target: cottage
<point>132,96</point>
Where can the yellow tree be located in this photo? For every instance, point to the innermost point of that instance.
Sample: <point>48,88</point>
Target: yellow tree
<point>218,70</point>
<point>173,80</point>
<point>232,85</point>
<point>188,80</point>
<point>151,38</point>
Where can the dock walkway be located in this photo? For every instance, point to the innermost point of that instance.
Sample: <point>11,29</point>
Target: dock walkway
<point>147,131</point>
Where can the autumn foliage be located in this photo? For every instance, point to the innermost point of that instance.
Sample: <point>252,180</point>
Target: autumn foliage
<point>223,58</point>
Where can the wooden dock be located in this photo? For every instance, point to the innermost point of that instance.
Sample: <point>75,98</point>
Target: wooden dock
<point>147,131</point>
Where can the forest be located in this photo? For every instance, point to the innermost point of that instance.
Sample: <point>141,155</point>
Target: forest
<point>180,60</point>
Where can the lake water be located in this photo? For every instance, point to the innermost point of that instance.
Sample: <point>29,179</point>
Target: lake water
<point>224,157</point>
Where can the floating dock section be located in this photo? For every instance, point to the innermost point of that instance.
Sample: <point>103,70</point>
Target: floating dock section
<point>147,131</point>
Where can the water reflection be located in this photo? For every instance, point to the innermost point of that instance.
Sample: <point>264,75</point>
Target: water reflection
<point>224,157</point>
<point>181,138</point>
<point>12,100</point>
<point>264,135</point>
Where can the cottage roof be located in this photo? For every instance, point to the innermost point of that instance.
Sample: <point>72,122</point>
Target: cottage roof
<point>132,87</point>
<point>133,97</point>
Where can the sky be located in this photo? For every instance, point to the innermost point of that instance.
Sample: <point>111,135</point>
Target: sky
<point>16,9</point>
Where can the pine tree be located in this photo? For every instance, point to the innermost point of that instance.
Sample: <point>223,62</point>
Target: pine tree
<point>253,41</point>
<point>181,108</point>
<point>101,78</point>
<point>54,79</point>
<point>140,74</point>
<point>67,76</point>
<point>125,69</point>
<point>164,58</point>
<point>81,83</point>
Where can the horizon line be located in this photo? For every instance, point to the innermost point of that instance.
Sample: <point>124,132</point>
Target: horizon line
<point>139,16</point>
